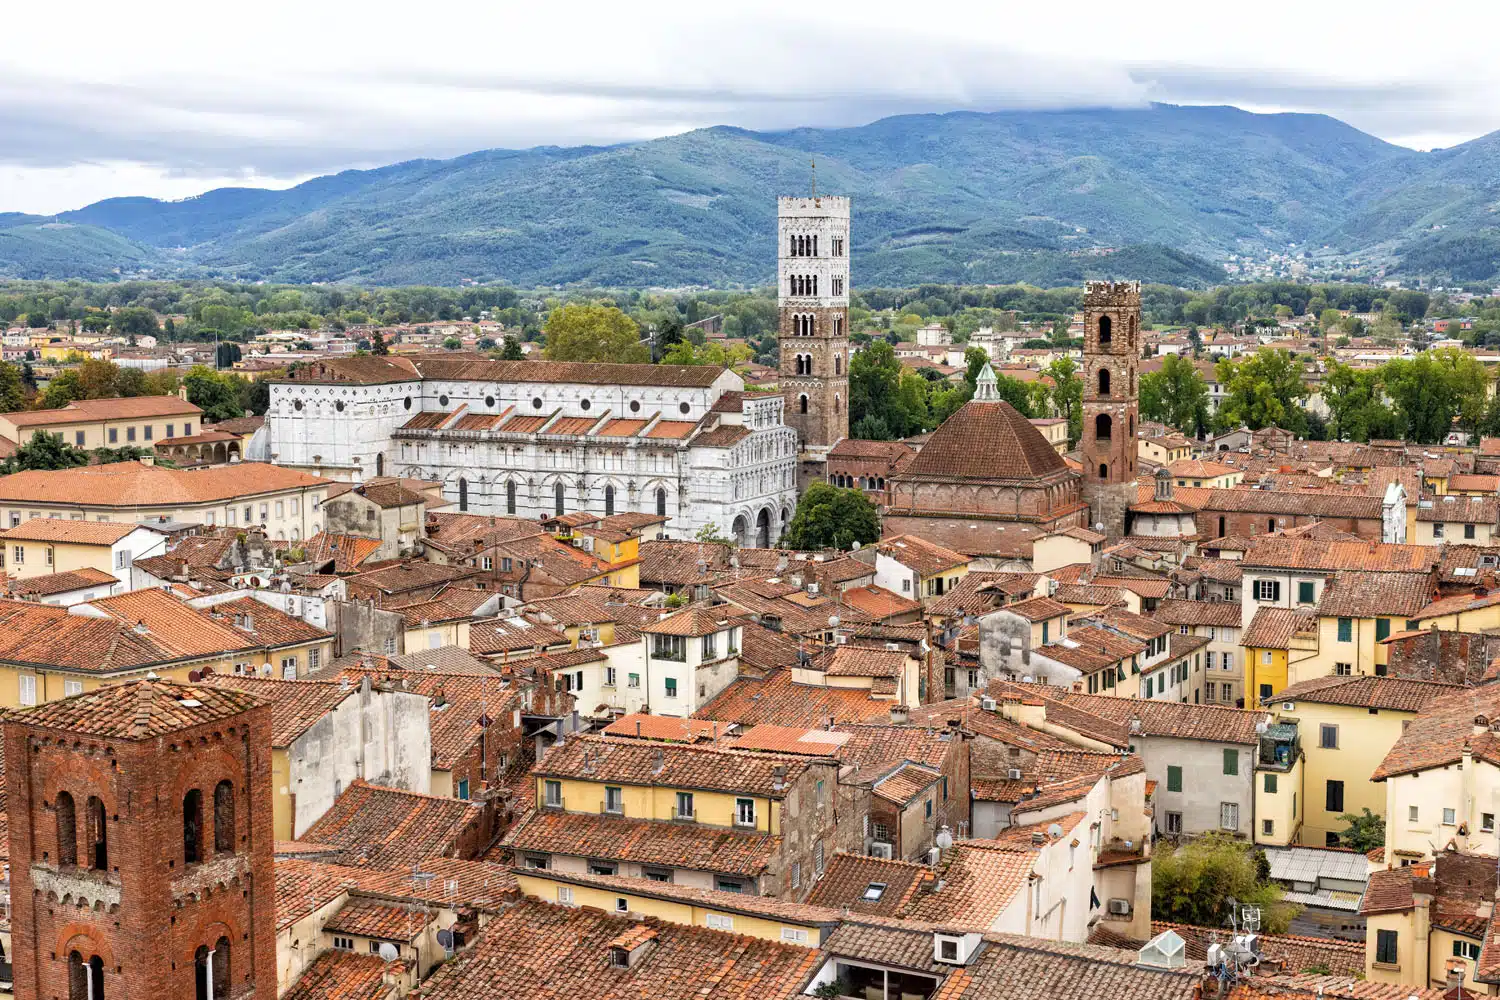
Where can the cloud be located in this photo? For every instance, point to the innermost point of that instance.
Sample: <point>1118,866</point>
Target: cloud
<point>165,93</point>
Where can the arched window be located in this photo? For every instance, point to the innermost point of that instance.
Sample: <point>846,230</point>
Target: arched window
<point>78,977</point>
<point>1104,329</point>
<point>1103,470</point>
<point>380,463</point>
<point>1270,525</point>
<point>838,364</point>
<point>510,498</point>
<point>221,969</point>
<point>815,292</point>
<point>1104,381</point>
<point>192,827</point>
<point>802,403</point>
<point>557,498</point>
<point>880,482</point>
<point>837,403</point>
<point>98,835</point>
<point>815,245</point>
<point>661,503</point>
<point>67,830</point>
<point>1221,527</point>
<point>224,817</point>
<point>463,494</point>
<point>203,973</point>
<point>609,501</point>
<point>1102,427</point>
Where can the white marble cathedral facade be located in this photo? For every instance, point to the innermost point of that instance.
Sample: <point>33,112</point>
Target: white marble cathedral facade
<point>535,438</point>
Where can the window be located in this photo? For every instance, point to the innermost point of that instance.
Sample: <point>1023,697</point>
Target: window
<point>1411,814</point>
<point>794,935</point>
<point>728,884</point>
<point>78,438</point>
<point>314,659</point>
<point>187,430</point>
<point>553,794</point>
<point>510,498</point>
<point>818,858</point>
<point>744,812</point>
<point>565,895</point>
<point>796,874</point>
<point>70,688</point>
<point>343,943</point>
<point>1468,531</point>
<point>1437,529</point>
<point>1328,736</point>
<point>632,680</point>
<point>1174,778</point>
<point>114,435</point>
<point>1449,817</point>
<point>1268,828</point>
<point>614,799</point>
<point>658,874</point>
<point>684,805</point>
<point>1385,947</point>
<point>603,868</point>
<point>289,668</point>
<point>669,647</point>
<point>224,817</point>
<point>537,861</point>
<point>1346,630</point>
<point>710,646</point>
<point>1270,784</point>
<point>1333,797</point>
<point>1268,590</point>
<point>1487,822</point>
<point>28,689</point>
<point>609,676</point>
<point>1231,762</point>
<point>718,921</point>
<point>1382,628</point>
<point>463,788</point>
<point>1305,592</point>
<point>1229,815</point>
<point>1343,669</point>
<point>67,830</point>
<point>1466,949</point>
<point>192,827</point>
<point>18,555</point>
<point>1174,823</point>
<point>671,684</point>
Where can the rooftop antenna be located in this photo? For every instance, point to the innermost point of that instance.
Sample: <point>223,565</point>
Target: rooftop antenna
<point>814,176</point>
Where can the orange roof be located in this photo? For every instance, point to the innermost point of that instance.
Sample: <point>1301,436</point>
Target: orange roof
<point>621,428</point>
<point>178,628</point>
<point>877,602</point>
<point>694,621</point>
<point>671,429</point>
<point>572,425</point>
<point>792,739</point>
<point>56,529</point>
<point>661,727</point>
<point>88,410</point>
<point>139,710</point>
<point>131,484</point>
<point>523,424</point>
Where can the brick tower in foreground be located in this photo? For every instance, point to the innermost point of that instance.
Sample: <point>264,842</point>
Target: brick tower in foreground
<point>141,844</point>
<point>1111,349</point>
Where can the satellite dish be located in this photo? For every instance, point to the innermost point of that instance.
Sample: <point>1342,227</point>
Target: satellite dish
<point>388,952</point>
<point>445,938</point>
<point>855,547</point>
<point>1099,527</point>
<point>1055,830</point>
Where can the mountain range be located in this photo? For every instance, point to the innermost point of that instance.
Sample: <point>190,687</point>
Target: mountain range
<point>1163,193</point>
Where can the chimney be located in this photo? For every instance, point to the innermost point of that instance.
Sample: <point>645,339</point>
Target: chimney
<point>899,715</point>
<point>778,777</point>
<point>658,762</point>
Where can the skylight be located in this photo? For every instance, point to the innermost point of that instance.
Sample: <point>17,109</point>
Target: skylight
<point>874,891</point>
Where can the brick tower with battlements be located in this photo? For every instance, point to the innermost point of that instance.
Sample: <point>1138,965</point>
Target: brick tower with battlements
<point>141,844</point>
<point>813,292</point>
<point>1111,347</point>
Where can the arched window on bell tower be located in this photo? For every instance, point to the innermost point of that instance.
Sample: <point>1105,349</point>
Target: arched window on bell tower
<point>1104,381</point>
<point>1104,329</point>
<point>1102,427</point>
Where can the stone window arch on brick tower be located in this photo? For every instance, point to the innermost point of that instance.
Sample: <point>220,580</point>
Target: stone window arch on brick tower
<point>211,971</point>
<point>192,827</point>
<point>67,830</point>
<point>802,403</point>
<point>558,498</point>
<point>838,364</point>
<point>98,834</point>
<point>1103,426</point>
<point>1104,381</point>
<point>224,817</point>
<point>85,977</point>
<point>1104,329</point>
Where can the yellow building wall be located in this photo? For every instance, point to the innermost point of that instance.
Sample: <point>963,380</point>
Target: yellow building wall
<point>1361,652</point>
<point>1409,949</point>
<point>688,914</point>
<point>1282,807</point>
<point>282,814</point>
<point>445,633</point>
<point>660,803</point>
<point>1363,742</point>
<point>50,683</point>
<point>950,578</point>
<point>1464,621</point>
<point>1258,672</point>
<point>66,556</point>
<point>96,433</point>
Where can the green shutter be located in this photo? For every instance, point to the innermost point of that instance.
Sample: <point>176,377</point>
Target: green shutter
<point>1305,592</point>
<point>1346,629</point>
<point>1382,628</point>
<point>1231,762</point>
<point>1174,778</point>
<point>1270,784</point>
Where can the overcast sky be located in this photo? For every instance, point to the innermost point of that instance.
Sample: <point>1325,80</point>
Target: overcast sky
<point>169,99</point>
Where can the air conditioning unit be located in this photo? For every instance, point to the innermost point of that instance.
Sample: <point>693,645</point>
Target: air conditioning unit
<point>987,703</point>
<point>1119,907</point>
<point>879,850</point>
<point>1014,774</point>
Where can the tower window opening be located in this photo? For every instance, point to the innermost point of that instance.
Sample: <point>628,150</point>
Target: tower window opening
<point>1102,427</point>
<point>67,830</point>
<point>1104,381</point>
<point>802,403</point>
<point>1103,470</point>
<point>192,827</point>
<point>224,817</point>
<point>1104,329</point>
<point>98,835</point>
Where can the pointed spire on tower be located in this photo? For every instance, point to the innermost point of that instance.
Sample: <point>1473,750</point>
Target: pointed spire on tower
<point>986,386</point>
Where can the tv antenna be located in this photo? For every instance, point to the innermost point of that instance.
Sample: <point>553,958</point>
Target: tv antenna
<point>814,176</point>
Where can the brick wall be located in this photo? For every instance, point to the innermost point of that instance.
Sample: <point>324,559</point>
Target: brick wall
<point>146,914</point>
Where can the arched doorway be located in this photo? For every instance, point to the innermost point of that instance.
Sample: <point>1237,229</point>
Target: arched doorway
<point>739,529</point>
<point>763,529</point>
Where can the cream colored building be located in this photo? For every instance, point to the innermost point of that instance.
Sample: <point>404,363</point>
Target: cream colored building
<point>46,545</point>
<point>141,421</point>
<point>285,503</point>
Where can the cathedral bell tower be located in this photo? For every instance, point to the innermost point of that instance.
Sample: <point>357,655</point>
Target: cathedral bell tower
<point>813,294</point>
<point>1111,348</point>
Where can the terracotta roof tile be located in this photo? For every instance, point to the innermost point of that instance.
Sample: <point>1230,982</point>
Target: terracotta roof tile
<point>133,485</point>
<point>89,410</point>
<point>388,828</point>
<point>690,621</point>
<point>638,725</point>
<point>927,558</point>
<point>139,710</point>
<point>1340,556</point>
<point>61,583</point>
<point>1361,594</point>
<point>57,529</point>
<point>344,975</point>
<point>987,441</point>
<point>1395,693</point>
<point>1448,721</point>
<point>295,705</point>
<point>645,841</point>
<point>848,880</point>
<point>775,699</point>
<point>711,767</point>
<point>675,430</point>
<point>1220,614</point>
<point>378,918</point>
<point>1274,628</point>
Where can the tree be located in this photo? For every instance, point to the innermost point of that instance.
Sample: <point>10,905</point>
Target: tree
<point>225,355</point>
<point>44,451</point>
<point>452,343</point>
<point>831,517</point>
<point>485,343</point>
<point>684,352</point>
<point>512,350</point>
<point>125,453</point>
<point>134,321</point>
<point>1175,395</point>
<point>1193,883</point>
<point>1067,395</point>
<point>377,344</point>
<point>12,388</point>
<point>580,332</point>
<point>1365,832</point>
<point>1432,389</point>
<point>1355,406</point>
<point>1262,390</point>
<point>216,394</point>
<point>874,377</point>
<point>710,533</point>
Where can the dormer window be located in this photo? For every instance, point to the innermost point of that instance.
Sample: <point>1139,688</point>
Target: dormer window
<point>874,891</point>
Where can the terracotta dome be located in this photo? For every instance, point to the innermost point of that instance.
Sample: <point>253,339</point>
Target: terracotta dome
<point>986,440</point>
